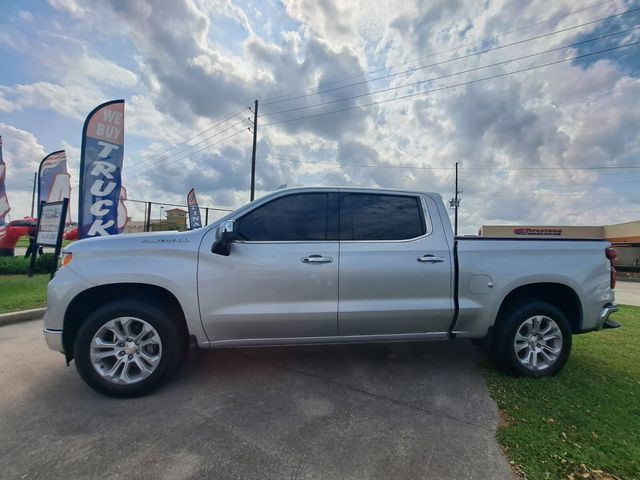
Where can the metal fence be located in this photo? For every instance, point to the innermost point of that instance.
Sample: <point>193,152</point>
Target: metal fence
<point>145,216</point>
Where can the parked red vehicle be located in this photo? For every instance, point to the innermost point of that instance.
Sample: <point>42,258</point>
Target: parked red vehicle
<point>13,232</point>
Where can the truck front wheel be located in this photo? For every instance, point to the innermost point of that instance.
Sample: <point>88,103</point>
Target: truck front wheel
<point>534,340</point>
<point>127,348</point>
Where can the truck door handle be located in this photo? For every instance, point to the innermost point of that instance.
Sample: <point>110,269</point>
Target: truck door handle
<point>430,259</point>
<point>316,259</point>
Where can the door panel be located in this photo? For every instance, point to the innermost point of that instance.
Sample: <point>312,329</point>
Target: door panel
<point>385,289</point>
<point>281,279</point>
<point>265,290</point>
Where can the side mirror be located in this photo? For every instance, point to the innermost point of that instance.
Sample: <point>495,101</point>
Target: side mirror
<point>225,234</point>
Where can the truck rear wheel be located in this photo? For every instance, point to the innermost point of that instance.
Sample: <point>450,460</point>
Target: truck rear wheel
<point>127,348</point>
<point>534,340</point>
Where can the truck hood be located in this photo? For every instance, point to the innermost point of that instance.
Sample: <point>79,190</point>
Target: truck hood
<point>189,240</point>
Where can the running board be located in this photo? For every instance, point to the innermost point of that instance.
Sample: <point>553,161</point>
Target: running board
<point>329,340</point>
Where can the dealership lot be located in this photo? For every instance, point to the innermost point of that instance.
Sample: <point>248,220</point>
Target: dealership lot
<point>365,411</point>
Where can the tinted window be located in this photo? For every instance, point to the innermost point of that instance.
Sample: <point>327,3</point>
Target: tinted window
<point>295,217</point>
<point>380,217</point>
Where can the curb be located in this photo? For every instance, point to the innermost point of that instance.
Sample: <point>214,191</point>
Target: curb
<point>21,316</point>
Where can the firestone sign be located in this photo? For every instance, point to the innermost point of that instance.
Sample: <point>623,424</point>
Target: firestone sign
<point>537,231</point>
<point>100,170</point>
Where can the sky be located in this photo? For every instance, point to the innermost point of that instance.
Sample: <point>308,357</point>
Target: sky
<point>538,101</point>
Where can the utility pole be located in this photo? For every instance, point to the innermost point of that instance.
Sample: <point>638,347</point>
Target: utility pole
<point>33,193</point>
<point>148,218</point>
<point>253,154</point>
<point>455,204</point>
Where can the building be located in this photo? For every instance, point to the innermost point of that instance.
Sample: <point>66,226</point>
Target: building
<point>625,237</point>
<point>177,218</point>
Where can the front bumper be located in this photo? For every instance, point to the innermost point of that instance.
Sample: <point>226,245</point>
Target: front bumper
<point>606,311</point>
<point>54,339</point>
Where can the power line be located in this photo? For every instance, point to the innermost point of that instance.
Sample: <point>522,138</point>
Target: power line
<point>273,99</point>
<point>137,174</point>
<point>568,194</point>
<point>599,167</point>
<point>460,57</point>
<point>189,147</point>
<point>475,69</point>
<point>495,170</point>
<point>228,117</point>
<point>447,87</point>
<point>576,185</point>
<point>410,167</point>
<point>420,167</point>
<point>200,132</point>
<point>497,175</point>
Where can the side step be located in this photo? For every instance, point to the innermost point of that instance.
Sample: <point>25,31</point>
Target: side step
<point>611,324</point>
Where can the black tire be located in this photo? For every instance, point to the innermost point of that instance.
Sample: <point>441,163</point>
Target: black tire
<point>505,335</point>
<point>174,342</point>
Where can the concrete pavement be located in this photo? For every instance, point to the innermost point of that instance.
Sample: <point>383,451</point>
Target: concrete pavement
<point>628,293</point>
<point>417,410</point>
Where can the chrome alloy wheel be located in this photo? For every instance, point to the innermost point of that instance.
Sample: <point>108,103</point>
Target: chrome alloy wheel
<point>538,342</point>
<point>126,350</point>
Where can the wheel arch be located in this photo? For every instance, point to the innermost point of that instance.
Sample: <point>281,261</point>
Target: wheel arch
<point>88,300</point>
<point>560,295</point>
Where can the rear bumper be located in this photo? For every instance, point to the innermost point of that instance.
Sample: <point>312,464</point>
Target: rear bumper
<point>54,339</point>
<point>606,311</point>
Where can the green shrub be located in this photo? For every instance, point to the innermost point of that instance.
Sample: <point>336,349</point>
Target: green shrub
<point>20,265</point>
<point>45,263</point>
<point>13,265</point>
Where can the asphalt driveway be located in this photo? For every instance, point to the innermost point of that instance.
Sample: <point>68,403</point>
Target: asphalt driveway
<point>417,410</point>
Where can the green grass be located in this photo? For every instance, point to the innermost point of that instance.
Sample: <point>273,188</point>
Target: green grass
<point>24,242</point>
<point>584,422</point>
<point>19,292</point>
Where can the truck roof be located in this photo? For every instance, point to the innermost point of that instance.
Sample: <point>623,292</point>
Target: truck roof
<point>357,189</point>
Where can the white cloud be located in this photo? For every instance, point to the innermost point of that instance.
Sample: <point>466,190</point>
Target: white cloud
<point>74,101</point>
<point>185,77</point>
<point>6,105</point>
<point>22,154</point>
<point>69,6</point>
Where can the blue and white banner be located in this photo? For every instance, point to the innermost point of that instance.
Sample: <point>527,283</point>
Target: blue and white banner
<point>54,181</point>
<point>4,203</point>
<point>194,211</point>
<point>101,170</point>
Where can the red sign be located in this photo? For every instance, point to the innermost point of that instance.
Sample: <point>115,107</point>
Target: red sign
<point>537,231</point>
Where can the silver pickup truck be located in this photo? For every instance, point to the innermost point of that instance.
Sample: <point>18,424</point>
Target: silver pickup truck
<point>316,266</point>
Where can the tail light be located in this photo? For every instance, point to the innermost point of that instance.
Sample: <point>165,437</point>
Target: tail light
<point>612,255</point>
